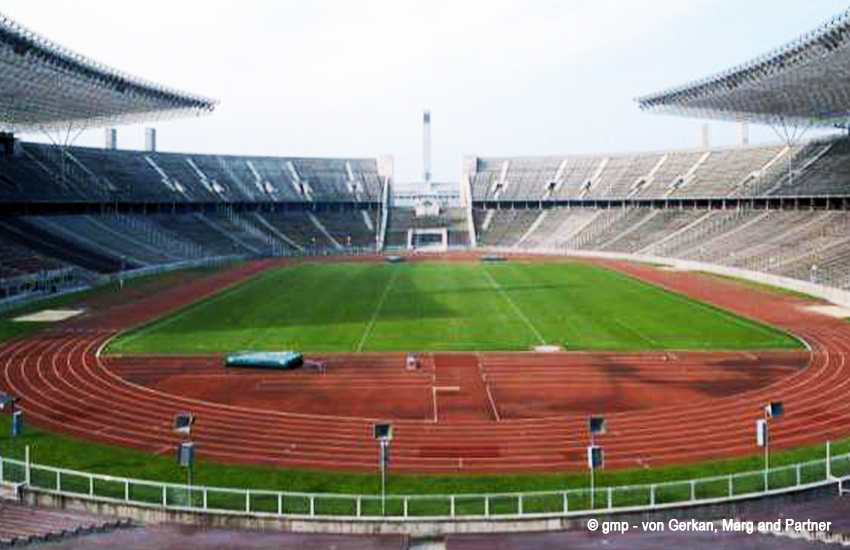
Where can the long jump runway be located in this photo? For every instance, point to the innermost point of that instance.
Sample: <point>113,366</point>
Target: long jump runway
<point>487,412</point>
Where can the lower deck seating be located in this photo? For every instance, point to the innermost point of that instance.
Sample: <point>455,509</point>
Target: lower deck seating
<point>49,244</point>
<point>807,245</point>
<point>17,259</point>
<point>21,525</point>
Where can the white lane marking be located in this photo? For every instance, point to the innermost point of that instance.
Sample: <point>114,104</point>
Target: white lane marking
<point>516,309</point>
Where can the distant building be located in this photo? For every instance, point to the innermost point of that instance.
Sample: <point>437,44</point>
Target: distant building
<point>447,195</point>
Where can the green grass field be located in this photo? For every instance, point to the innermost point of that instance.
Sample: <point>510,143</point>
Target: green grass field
<point>446,306</point>
<point>348,307</point>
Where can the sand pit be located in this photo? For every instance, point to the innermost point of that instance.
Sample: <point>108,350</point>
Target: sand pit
<point>832,311</point>
<point>49,316</point>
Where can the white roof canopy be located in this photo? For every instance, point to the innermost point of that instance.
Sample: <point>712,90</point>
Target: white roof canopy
<point>45,86</point>
<point>806,82</point>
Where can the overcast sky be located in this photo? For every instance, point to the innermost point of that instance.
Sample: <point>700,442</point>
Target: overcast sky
<point>350,78</point>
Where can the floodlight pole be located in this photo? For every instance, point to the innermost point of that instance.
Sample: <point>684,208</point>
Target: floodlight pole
<point>12,432</point>
<point>384,444</point>
<point>828,460</point>
<point>190,476</point>
<point>766,453</point>
<point>592,476</point>
<point>595,425</point>
<point>771,410</point>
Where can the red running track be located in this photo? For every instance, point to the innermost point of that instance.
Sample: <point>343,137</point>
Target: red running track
<point>65,386</point>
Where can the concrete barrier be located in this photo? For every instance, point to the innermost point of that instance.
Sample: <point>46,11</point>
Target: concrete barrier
<point>415,529</point>
<point>10,491</point>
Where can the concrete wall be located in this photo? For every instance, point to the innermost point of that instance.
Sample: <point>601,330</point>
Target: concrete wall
<point>152,514</point>
<point>10,491</point>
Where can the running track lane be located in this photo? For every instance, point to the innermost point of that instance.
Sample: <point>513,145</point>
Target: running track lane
<point>65,386</point>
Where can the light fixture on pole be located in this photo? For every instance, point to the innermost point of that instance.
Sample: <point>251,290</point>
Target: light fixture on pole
<point>183,423</point>
<point>186,458</point>
<point>383,432</point>
<point>7,400</point>
<point>595,454</point>
<point>774,409</point>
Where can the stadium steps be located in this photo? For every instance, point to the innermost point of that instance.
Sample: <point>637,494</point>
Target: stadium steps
<point>276,232</point>
<point>52,245</point>
<point>24,525</point>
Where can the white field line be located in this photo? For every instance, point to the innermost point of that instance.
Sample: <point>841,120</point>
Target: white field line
<point>378,307</point>
<point>435,389</point>
<point>434,393</point>
<point>492,403</point>
<point>487,388</point>
<point>521,315</point>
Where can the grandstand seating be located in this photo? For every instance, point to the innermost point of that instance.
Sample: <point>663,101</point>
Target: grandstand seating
<point>821,169</point>
<point>712,173</point>
<point>782,242</point>
<point>350,229</point>
<point>111,242</point>
<point>106,242</point>
<point>16,259</point>
<point>790,243</point>
<point>21,525</point>
<point>49,244</point>
<point>45,172</point>
<point>505,226</point>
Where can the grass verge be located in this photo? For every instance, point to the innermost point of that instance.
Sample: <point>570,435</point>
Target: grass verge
<point>72,453</point>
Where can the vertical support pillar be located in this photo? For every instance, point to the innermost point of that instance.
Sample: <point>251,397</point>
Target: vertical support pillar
<point>150,140</point>
<point>702,136</point>
<point>110,138</point>
<point>743,133</point>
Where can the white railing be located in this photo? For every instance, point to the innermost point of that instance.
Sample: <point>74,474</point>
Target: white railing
<point>529,505</point>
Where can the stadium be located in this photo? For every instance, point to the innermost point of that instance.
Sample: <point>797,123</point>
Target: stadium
<point>303,349</point>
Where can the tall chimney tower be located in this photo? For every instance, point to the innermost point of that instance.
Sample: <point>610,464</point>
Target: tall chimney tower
<point>426,147</point>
